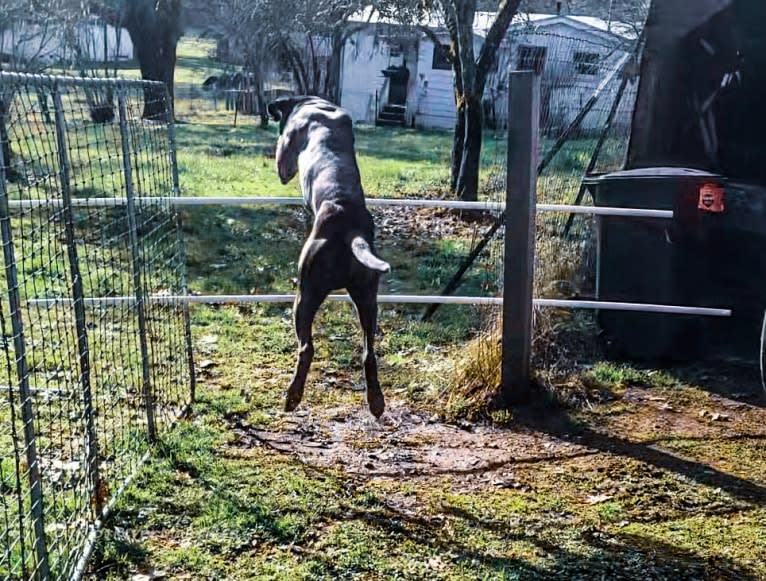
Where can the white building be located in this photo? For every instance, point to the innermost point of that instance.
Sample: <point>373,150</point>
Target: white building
<point>32,42</point>
<point>574,53</point>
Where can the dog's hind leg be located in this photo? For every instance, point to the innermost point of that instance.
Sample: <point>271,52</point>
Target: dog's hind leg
<point>365,301</point>
<point>307,304</point>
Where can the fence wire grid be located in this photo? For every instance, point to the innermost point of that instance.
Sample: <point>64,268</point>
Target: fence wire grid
<point>86,388</point>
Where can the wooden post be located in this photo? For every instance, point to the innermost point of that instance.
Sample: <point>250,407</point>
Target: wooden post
<point>521,194</point>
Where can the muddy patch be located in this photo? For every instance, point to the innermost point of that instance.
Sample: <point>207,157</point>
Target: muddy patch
<point>407,443</point>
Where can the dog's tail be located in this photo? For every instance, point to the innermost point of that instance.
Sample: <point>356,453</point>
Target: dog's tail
<point>361,250</point>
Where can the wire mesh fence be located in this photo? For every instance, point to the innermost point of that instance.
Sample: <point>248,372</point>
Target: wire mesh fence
<point>87,387</point>
<point>588,92</point>
<point>199,99</point>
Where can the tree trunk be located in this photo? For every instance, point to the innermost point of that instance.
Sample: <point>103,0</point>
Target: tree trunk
<point>457,140</point>
<point>4,140</point>
<point>470,80</point>
<point>154,27</point>
<point>467,187</point>
<point>457,143</point>
<point>262,109</point>
<point>332,81</point>
<point>462,34</point>
<point>157,60</point>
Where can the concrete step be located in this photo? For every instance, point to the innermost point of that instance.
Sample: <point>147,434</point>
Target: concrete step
<point>390,122</point>
<point>391,116</point>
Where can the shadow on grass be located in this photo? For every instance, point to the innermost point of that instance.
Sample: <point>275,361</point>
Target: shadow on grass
<point>256,250</point>
<point>557,422</point>
<point>740,381</point>
<point>243,139</point>
<point>116,556</point>
<point>609,555</point>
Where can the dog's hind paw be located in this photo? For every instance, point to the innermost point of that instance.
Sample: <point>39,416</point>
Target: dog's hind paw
<point>294,396</point>
<point>292,402</point>
<point>376,404</point>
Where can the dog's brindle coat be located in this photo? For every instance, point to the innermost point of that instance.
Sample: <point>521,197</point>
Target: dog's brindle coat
<point>316,137</point>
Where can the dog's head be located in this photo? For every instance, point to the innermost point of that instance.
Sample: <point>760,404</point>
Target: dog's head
<point>281,109</point>
<point>292,142</point>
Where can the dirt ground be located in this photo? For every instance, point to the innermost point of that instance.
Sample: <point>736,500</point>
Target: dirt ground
<point>417,445</point>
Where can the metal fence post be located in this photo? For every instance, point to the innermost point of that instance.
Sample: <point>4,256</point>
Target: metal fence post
<point>136,264</point>
<point>182,251</point>
<point>78,296</point>
<point>27,411</point>
<point>521,194</point>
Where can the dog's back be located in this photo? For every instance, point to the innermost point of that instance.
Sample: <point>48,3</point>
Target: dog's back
<point>321,135</point>
<point>317,140</point>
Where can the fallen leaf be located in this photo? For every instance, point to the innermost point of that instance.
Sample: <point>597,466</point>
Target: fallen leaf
<point>436,563</point>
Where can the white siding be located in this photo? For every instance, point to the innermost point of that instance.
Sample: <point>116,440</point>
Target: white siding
<point>363,59</point>
<point>435,89</point>
<point>567,90</point>
<point>430,97</point>
<point>365,56</point>
<point>118,43</point>
<point>47,45</point>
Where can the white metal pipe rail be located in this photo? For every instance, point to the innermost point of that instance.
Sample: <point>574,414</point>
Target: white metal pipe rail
<point>181,201</point>
<point>385,299</point>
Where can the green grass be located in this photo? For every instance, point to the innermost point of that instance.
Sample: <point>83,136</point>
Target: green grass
<point>638,500</point>
<point>218,159</point>
<point>194,63</point>
<point>219,510</point>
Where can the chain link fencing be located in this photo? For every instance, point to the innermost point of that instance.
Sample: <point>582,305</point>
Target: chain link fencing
<point>87,385</point>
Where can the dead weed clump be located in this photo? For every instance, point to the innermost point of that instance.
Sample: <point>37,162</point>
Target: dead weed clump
<point>474,391</point>
<point>562,338</point>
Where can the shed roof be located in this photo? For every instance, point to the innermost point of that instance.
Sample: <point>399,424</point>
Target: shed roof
<point>483,22</point>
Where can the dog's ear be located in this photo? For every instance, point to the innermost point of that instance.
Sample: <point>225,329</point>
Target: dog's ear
<point>288,149</point>
<point>280,109</point>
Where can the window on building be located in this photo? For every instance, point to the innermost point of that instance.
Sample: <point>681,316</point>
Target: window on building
<point>395,50</point>
<point>586,63</point>
<point>531,58</point>
<point>442,60</point>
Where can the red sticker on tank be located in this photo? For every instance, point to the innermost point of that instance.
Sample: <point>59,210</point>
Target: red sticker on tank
<point>711,198</point>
